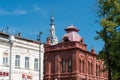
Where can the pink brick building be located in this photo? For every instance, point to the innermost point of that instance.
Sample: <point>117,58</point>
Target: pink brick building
<point>70,59</point>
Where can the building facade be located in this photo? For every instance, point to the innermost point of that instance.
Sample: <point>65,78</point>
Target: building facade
<point>70,59</point>
<point>24,58</point>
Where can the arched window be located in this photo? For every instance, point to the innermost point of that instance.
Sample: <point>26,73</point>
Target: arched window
<point>82,66</point>
<point>89,68</point>
<point>81,41</point>
<point>69,65</point>
<point>79,65</point>
<point>97,70</point>
<point>66,39</point>
<point>63,65</point>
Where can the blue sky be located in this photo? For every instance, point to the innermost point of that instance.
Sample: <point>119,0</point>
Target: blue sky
<point>31,16</point>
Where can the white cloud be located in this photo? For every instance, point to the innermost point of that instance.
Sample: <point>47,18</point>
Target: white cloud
<point>40,10</point>
<point>23,11</point>
<point>16,12</point>
<point>3,12</point>
<point>36,8</point>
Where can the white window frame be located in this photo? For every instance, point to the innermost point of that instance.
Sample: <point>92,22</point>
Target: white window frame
<point>5,61</point>
<point>27,62</point>
<point>36,64</point>
<point>17,60</point>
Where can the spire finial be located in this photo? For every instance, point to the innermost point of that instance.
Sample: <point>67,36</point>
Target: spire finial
<point>52,18</point>
<point>52,14</point>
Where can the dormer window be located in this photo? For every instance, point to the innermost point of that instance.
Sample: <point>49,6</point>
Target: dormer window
<point>65,39</point>
<point>81,41</point>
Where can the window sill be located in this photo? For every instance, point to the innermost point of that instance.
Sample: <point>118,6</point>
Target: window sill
<point>18,67</point>
<point>5,65</point>
<point>27,68</point>
<point>36,70</point>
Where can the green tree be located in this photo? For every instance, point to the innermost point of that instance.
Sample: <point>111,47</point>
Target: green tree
<point>109,15</point>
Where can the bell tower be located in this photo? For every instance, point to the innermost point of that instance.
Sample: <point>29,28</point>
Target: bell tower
<point>52,36</point>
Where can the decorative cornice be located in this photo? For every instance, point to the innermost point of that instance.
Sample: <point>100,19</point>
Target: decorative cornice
<point>66,45</point>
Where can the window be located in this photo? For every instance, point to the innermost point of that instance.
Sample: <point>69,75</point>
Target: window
<point>97,70</point>
<point>82,67</point>
<point>69,65</point>
<point>79,65</point>
<point>5,61</point>
<point>63,65</point>
<point>66,39</point>
<point>27,62</point>
<point>35,64</point>
<point>17,61</point>
<point>89,68</point>
<point>81,41</point>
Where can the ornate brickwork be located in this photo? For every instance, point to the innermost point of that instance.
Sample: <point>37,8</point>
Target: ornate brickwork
<point>70,60</point>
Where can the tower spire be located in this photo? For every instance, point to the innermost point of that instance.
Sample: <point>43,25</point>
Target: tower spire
<point>52,36</point>
<point>52,19</point>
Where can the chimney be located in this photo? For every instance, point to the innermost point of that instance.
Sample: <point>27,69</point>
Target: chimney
<point>48,41</point>
<point>18,34</point>
<point>93,51</point>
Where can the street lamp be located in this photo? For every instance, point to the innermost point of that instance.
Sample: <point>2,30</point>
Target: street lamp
<point>11,40</point>
<point>40,43</point>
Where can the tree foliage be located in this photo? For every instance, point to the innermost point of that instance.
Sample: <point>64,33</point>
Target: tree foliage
<point>109,15</point>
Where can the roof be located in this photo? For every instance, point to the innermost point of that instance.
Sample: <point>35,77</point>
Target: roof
<point>71,28</point>
<point>6,35</point>
<point>72,34</point>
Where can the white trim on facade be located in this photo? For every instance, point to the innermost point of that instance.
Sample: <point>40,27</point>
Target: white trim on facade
<point>23,48</point>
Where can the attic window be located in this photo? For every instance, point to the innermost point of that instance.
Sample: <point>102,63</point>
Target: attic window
<point>81,41</point>
<point>66,39</point>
